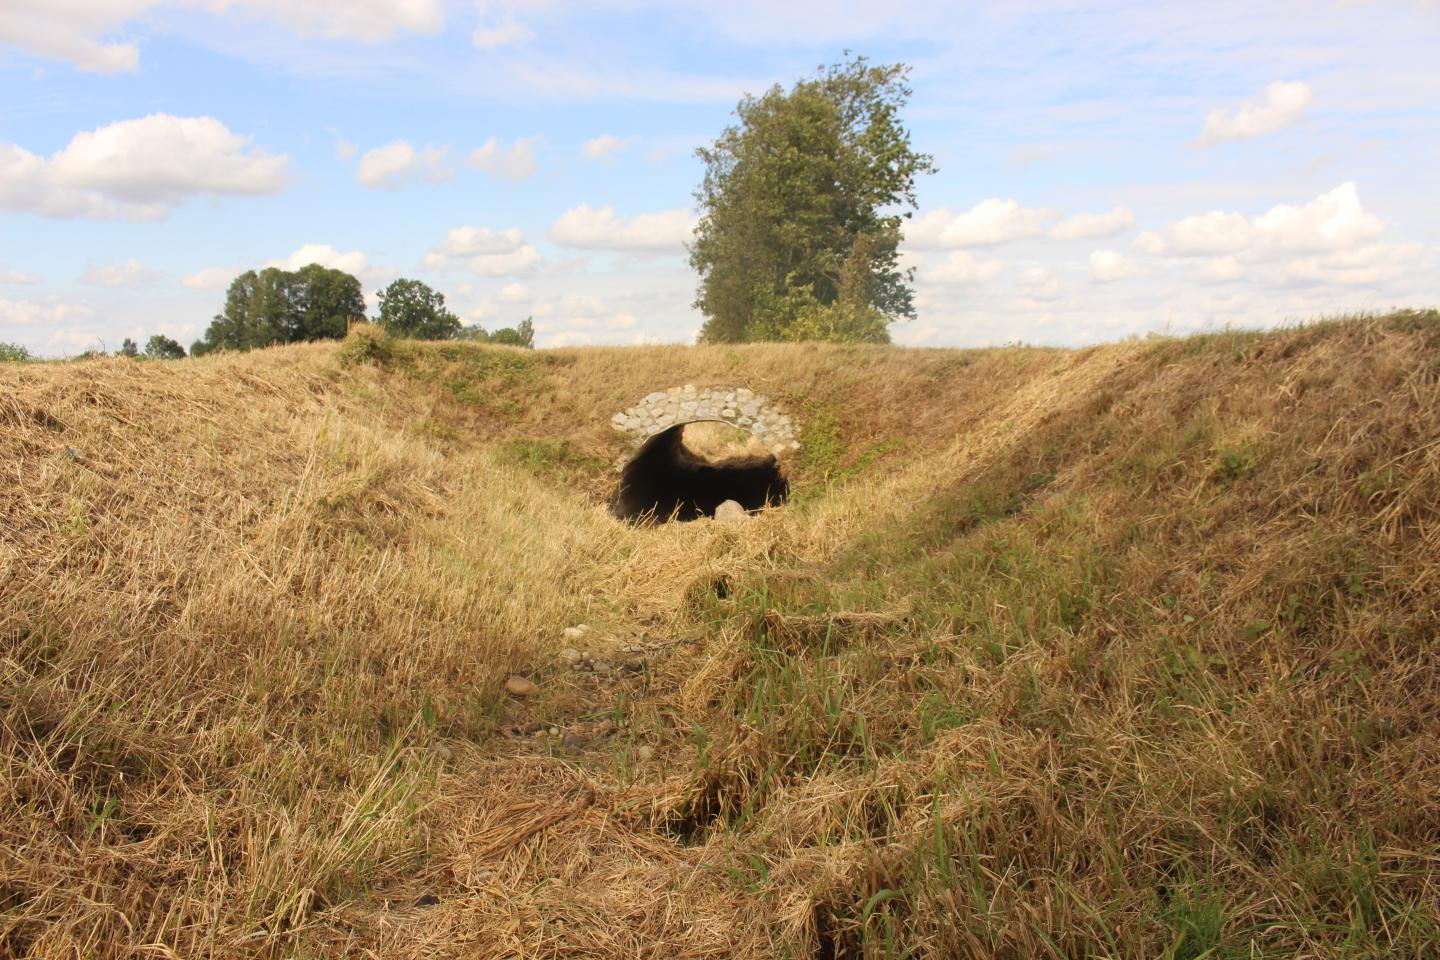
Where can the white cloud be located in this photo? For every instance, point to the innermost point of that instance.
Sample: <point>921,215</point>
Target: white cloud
<point>1220,270</point>
<point>960,269</point>
<point>604,146</point>
<point>344,149</point>
<point>1365,266</point>
<point>1108,265</point>
<point>599,229</point>
<point>988,223</point>
<point>1039,282</point>
<point>9,276</point>
<point>396,164</point>
<point>73,31</point>
<point>141,169</point>
<point>1281,104</point>
<point>1087,226</point>
<point>514,293</point>
<point>514,264</point>
<point>517,162</point>
<point>370,21</point>
<point>475,241</point>
<point>23,313</point>
<point>507,33</point>
<point>130,273</point>
<point>353,262</point>
<point>1332,221</point>
<point>211,278</point>
<point>76,31</point>
<point>486,252</point>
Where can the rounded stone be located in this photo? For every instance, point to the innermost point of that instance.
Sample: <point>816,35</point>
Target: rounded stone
<point>518,686</point>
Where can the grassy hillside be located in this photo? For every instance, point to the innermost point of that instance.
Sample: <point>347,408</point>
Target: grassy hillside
<point>1121,652</point>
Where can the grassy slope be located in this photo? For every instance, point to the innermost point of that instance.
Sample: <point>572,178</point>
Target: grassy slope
<point>1128,651</point>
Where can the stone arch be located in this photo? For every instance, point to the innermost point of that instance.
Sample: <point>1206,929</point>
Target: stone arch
<point>737,406</point>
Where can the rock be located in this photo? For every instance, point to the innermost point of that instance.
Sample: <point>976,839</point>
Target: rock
<point>518,686</point>
<point>571,656</point>
<point>572,742</point>
<point>576,632</point>
<point>731,512</point>
<point>554,731</point>
<point>644,752</point>
<point>601,666</point>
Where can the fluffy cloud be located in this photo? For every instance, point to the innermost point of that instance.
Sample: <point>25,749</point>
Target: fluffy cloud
<point>1220,270</point>
<point>354,262</point>
<point>141,169</point>
<point>1109,265</point>
<point>23,313</point>
<point>988,223</point>
<point>485,252</point>
<point>370,21</point>
<point>516,162</point>
<point>398,163</point>
<point>75,31</point>
<point>1281,104</point>
<point>130,273</point>
<point>1332,221</point>
<point>1087,226</point>
<point>1039,283</point>
<point>514,293</point>
<point>604,146</point>
<point>599,229</point>
<point>210,278</point>
<point>477,241</point>
<point>960,269</point>
<point>9,276</point>
<point>344,149</point>
<point>507,33</point>
<point>1365,266</point>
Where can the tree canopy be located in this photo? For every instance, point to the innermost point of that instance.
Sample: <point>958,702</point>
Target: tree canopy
<point>520,335</point>
<point>409,308</point>
<point>284,306</point>
<point>802,203</point>
<point>161,347</point>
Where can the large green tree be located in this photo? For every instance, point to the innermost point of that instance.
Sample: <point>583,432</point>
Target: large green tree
<point>284,306</point>
<point>802,204</point>
<point>161,347</point>
<point>409,308</point>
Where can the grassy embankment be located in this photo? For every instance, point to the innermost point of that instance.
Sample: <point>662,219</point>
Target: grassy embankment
<point>1121,652</point>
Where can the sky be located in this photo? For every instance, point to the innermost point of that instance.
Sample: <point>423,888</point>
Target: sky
<point>1105,170</point>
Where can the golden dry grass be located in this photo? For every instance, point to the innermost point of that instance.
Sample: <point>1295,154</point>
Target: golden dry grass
<point>1122,652</point>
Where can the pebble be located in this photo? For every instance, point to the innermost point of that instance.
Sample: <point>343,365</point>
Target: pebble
<point>571,656</point>
<point>518,686</point>
<point>554,731</point>
<point>577,631</point>
<point>644,752</point>
<point>731,512</point>
<point>602,666</point>
<point>572,742</point>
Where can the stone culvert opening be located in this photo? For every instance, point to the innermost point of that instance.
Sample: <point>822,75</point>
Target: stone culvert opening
<point>667,480</point>
<point>699,448</point>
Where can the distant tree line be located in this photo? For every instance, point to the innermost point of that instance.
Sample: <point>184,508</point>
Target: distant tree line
<point>274,306</point>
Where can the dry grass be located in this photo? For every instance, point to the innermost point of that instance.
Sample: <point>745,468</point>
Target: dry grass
<point>1123,652</point>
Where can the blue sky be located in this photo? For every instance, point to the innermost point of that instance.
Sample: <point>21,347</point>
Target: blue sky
<point>1105,170</point>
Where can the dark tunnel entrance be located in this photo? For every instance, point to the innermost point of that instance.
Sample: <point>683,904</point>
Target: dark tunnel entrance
<point>668,480</point>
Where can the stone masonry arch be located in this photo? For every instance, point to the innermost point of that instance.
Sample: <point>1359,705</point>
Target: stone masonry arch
<point>737,406</point>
